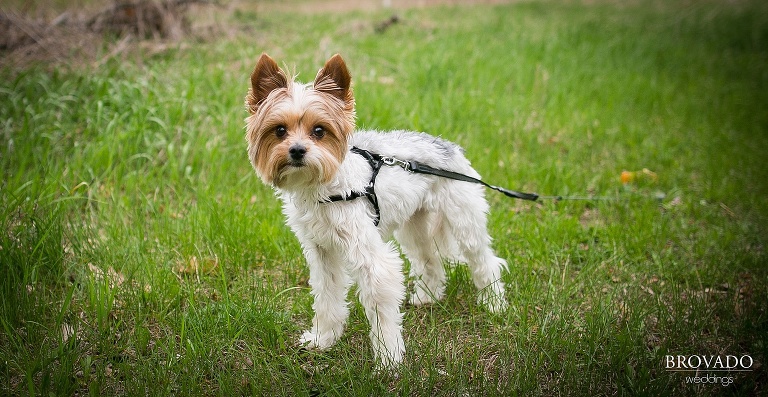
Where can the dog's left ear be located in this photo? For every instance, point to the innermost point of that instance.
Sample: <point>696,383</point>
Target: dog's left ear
<point>334,79</point>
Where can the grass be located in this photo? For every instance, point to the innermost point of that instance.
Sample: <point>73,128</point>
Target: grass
<point>139,253</point>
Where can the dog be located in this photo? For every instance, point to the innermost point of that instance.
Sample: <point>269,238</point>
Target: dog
<point>344,201</point>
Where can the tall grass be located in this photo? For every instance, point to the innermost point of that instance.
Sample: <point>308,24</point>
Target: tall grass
<point>139,253</point>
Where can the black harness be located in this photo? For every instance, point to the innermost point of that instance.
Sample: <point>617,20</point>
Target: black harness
<point>377,160</point>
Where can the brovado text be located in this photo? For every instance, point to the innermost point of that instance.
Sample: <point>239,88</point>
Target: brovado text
<point>708,362</point>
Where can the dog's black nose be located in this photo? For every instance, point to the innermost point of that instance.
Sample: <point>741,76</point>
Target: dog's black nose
<point>297,152</point>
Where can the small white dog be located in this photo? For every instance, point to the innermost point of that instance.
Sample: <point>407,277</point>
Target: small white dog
<point>344,198</point>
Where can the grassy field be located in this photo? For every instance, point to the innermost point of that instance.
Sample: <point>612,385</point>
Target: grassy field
<point>140,254</point>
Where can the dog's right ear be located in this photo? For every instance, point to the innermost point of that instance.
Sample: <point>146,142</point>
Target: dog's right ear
<point>334,79</point>
<point>266,77</point>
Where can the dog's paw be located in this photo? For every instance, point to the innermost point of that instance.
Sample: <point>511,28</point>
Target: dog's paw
<point>308,340</point>
<point>420,297</point>
<point>311,341</point>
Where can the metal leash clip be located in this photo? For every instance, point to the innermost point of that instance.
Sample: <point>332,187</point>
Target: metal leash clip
<point>390,161</point>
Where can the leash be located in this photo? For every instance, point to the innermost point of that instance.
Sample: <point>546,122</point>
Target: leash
<point>377,160</point>
<point>420,168</point>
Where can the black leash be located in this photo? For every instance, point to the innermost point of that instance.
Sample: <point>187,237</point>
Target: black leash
<point>419,168</point>
<point>376,161</point>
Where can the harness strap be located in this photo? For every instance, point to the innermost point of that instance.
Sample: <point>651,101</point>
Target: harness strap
<point>375,161</point>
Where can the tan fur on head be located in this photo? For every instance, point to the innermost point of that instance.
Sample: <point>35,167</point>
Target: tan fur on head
<point>285,114</point>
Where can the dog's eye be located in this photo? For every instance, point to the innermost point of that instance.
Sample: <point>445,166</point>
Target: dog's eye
<point>318,132</point>
<point>280,131</point>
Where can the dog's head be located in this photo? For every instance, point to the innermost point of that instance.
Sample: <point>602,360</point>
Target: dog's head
<point>297,133</point>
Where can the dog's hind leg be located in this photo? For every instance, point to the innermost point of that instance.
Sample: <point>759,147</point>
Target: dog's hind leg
<point>486,274</point>
<point>419,239</point>
<point>466,215</point>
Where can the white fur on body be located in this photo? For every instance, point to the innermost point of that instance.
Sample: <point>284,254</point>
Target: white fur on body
<point>431,217</point>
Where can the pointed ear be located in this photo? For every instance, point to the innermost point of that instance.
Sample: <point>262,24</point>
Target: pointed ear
<point>266,77</point>
<point>334,79</point>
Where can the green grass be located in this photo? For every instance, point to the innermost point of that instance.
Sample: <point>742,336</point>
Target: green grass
<point>139,253</point>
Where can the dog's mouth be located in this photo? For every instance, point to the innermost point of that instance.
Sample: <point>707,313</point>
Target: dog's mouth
<point>296,174</point>
<point>293,167</point>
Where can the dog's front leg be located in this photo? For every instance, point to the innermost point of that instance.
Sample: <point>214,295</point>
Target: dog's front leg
<point>377,269</point>
<point>330,284</point>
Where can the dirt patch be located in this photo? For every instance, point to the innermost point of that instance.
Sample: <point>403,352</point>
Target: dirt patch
<point>26,41</point>
<point>145,19</point>
<point>78,37</point>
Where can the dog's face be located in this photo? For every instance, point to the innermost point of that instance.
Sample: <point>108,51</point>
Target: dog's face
<point>297,134</point>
